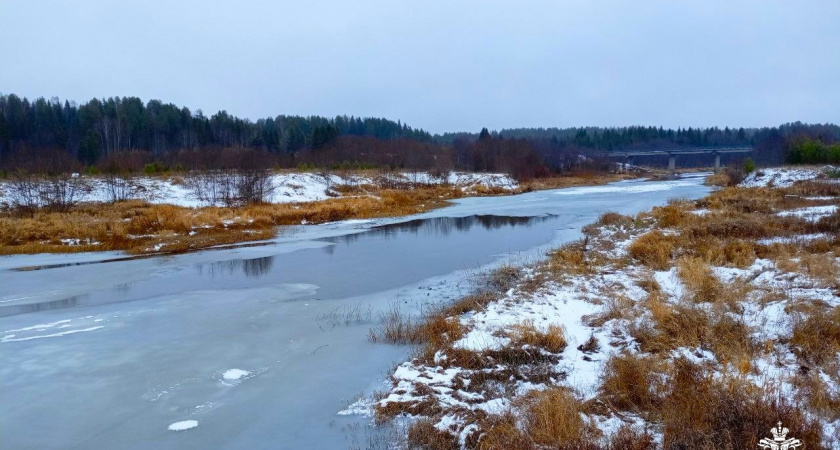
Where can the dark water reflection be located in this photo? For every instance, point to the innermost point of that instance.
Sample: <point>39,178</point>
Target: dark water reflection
<point>375,260</point>
<point>251,268</point>
<point>443,226</point>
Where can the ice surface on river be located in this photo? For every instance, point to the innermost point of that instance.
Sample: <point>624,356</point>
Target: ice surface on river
<point>294,314</point>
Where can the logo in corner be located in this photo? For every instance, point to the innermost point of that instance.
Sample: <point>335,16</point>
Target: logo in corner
<point>780,440</point>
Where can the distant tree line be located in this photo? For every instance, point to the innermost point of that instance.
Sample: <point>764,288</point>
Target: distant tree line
<point>773,145</point>
<point>805,150</point>
<point>99,128</point>
<point>122,134</point>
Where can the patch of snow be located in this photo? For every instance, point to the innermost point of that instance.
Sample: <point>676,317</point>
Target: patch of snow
<point>618,188</point>
<point>810,213</point>
<point>285,187</point>
<point>183,425</point>
<point>361,407</point>
<point>235,374</point>
<point>797,239</point>
<point>781,176</point>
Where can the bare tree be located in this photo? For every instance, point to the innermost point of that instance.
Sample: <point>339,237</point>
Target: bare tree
<point>45,180</point>
<point>23,191</point>
<point>244,179</point>
<point>61,190</point>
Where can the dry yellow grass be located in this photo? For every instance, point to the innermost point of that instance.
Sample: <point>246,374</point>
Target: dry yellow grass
<point>711,404</point>
<point>138,227</point>
<point>816,334</point>
<point>631,382</point>
<point>699,280</point>
<point>582,179</point>
<point>654,249</point>
<point>553,418</point>
<point>422,434</point>
<point>552,339</point>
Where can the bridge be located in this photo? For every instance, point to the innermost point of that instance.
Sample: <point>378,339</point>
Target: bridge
<point>672,154</point>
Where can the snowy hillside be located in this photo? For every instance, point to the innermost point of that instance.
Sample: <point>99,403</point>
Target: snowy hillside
<point>783,176</point>
<point>287,187</point>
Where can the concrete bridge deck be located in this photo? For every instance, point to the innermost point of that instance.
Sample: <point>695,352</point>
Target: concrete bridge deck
<point>672,154</point>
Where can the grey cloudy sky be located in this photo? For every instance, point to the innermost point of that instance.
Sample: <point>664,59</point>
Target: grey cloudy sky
<point>440,65</point>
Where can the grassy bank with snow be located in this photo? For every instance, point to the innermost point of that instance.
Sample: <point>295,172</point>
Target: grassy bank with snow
<point>696,325</point>
<point>164,215</point>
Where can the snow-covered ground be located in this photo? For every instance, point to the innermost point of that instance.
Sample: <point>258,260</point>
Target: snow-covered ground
<point>286,187</point>
<point>783,176</point>
<point>810,213</point>
<point>606,306</point>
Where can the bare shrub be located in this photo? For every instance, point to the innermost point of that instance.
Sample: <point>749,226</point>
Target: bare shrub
<point>241,177</point>
<point>211,187</point>
<point>46,179</point>
<point>61,190</point>
<point>24,191</point>
<point>119,186</point>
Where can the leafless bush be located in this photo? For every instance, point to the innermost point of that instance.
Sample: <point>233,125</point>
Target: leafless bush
<point>118,186</point>
<point>60,191</point>
<point>254,186</point>
<point>211,187</point>
<point>23,191</point>
<point>244,178</point>
<point>231,187</point>
<point>46,180</point>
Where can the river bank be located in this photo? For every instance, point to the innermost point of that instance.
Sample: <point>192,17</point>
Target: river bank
<point>121,351</point>
<point>700,323</point>
<point>164,216</point>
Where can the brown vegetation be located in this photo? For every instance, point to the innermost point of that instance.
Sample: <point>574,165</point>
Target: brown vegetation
<point>139,227</point>
<point>689,365</point>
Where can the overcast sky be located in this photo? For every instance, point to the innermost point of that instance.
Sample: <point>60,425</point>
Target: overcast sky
<point>439,65</point>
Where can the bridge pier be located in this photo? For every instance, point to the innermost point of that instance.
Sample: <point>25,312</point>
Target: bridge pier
<point>672,162</point>
<point>717,162</point>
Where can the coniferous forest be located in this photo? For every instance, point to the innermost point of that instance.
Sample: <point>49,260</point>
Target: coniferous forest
<point>134,134</point>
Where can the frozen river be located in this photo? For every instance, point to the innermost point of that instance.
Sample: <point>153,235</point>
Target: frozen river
<point>261,346</point>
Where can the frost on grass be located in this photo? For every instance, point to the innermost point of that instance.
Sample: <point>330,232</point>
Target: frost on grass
<point>713,312</point>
